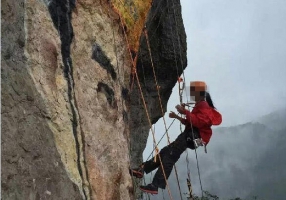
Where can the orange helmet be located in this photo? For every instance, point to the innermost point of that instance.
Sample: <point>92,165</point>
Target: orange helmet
<point>199,86</point>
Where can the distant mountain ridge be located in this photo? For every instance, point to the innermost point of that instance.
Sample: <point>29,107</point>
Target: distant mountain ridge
<point>255,150</point>
<point>275,120</point>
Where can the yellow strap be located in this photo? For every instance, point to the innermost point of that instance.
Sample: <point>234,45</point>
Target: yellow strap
<point>157,152</point>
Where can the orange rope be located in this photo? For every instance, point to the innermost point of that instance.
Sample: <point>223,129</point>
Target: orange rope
<point>154,140</point>
<point>160,101</point>
<point>145,107</point>
<point>156,82</point>
<point>176,27</point>
<point>158,87</point>
<point>134,73</point>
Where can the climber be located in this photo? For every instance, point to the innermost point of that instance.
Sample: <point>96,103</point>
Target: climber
<point>198,122</point>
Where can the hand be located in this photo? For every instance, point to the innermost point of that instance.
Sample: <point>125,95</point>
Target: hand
<point>173,115</point>
<point>180,109</point>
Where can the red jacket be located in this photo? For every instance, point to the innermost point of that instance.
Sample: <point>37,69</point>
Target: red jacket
<point>203,117</point>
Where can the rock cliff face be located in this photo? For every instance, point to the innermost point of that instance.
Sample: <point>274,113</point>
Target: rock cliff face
<point>72,117</point>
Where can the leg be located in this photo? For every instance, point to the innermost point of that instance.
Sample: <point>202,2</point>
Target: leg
<point>150,165</point>
<point>187,135</point>
<point>168,161</point>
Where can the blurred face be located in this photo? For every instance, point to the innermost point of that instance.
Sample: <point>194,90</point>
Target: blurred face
<point>194,94</point>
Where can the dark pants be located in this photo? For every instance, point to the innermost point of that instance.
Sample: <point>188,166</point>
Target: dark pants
<point>169,156</point>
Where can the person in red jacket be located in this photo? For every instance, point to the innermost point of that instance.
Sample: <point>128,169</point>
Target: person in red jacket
<point>197,123</point>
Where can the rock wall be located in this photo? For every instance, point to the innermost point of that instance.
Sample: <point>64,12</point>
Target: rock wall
<point>69,116</point>
<point>32,164</point>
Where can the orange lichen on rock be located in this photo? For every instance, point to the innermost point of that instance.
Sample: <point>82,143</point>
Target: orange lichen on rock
<point>133,14</point>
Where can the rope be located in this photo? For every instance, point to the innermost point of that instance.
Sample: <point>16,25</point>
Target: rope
<point>188,170</point>
<point>154,140</point>
<point>160,140</point>
<point>166,129</point>
<point>198,167</point>
<point>186,92</point>
<point>179,88</point>
<point>181,101</point>
<point>160,101</point>
<point>152,174</point>
<point>185,88</point>
<point>162,136</point>
<point>187,154</point>
<point>145,107</point>
<point>134,72</point>
<point>156,82</point>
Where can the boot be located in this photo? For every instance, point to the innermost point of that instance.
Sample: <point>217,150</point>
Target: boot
<point>150,188</point>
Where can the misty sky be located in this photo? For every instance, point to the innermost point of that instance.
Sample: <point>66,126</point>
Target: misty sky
<point>238,47</point>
